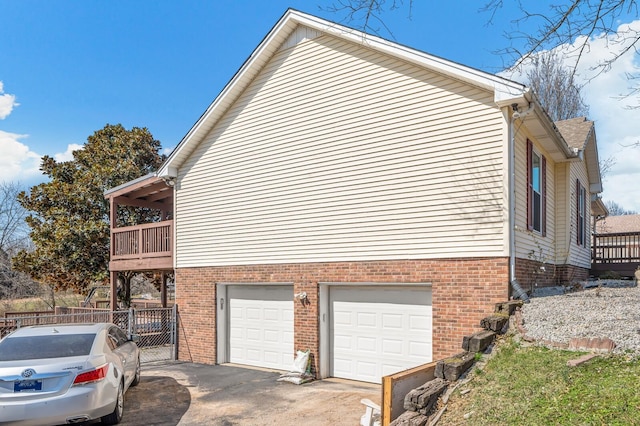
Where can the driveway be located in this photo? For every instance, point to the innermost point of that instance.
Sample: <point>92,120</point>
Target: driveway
<point>179,393</point>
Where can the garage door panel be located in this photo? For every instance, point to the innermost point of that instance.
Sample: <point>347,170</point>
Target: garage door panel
<point>253,314</point>
<point>272,336</point>
<point>271,314</point>
<point>389,369</point>
<point>392,347</point>
<point>261,326</point>
<point>367,344</point>
<point>272,357</point>
<point>419,323</point>
<point>368,319</point>
<point>237,333</point>
<point>416,349</point>
<point>236,312</point>
<point>342,365</point>
<point>391,321</point>
<point>253,355</point>
<point>342,317</point>
<point>377,331</point>
<point>287,315</point>
<point>366,369</point>
<point>343,342</point>
<point>253,334</point>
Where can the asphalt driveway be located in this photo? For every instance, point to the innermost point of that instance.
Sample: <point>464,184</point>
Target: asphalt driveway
<point>194,394</point>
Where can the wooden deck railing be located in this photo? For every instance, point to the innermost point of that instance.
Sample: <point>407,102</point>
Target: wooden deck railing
<point>142,241</point>
<point>622,247</point>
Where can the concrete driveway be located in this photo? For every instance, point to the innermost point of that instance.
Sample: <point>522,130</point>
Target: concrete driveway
<point>194,394</point>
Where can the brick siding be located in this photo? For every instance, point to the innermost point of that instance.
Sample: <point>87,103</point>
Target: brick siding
<point>568,274</point>
<point>532,274</point>
<point>463,292</point>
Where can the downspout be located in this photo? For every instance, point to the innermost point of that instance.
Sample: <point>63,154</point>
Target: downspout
<point>518,292</point>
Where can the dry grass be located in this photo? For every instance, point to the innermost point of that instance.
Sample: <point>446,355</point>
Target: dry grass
<point>33,304</point>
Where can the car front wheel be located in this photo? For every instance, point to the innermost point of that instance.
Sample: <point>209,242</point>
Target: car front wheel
<point>115,417</point>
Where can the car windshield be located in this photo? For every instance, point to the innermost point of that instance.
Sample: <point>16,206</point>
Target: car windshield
<point>39,347</point>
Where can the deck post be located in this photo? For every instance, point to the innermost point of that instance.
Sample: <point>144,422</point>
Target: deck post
<point>163,289</point>
<point>113,294</point>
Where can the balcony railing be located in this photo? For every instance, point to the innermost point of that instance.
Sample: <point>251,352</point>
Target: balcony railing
<point>617,248</point>
<point>142,241</point>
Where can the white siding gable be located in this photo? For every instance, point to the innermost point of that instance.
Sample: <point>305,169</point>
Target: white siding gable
<point>337,152</point>
<point>299,35</point>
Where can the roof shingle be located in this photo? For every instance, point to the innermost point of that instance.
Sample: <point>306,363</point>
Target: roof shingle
<point>616,224</point>
<point>575,131</point>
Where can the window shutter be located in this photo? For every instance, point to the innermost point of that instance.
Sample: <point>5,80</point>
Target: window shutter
<point>578,211</point>
<point>529,185</point>
<point>544,196</point>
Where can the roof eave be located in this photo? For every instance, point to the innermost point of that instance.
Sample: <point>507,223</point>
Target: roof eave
<point>142,180</point>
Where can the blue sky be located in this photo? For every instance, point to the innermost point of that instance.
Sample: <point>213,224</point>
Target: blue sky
<point>67,68</point>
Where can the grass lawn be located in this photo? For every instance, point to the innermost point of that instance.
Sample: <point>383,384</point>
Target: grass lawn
<point>534,386</point>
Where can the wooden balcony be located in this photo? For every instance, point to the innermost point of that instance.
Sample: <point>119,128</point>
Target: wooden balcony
<point>142,247</point>
<point>617,252</point>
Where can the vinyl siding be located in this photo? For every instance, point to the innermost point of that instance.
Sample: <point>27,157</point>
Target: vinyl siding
<point>531,244</point>
<point>336,152</point>
<point>563,213</point>
<point>579,255</point>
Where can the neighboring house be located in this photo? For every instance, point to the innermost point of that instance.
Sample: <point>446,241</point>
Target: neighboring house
<point>367,202</point>
<point>616,245</point>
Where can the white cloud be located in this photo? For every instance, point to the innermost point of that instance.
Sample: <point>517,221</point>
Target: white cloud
<point>68,154</point>
<point>17,162</point>
<point>7,102</point>
<point>167,151</point>
<point>617,125</point>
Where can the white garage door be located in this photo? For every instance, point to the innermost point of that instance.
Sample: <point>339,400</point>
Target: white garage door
<point>379,331</point>
<point>261,326</point>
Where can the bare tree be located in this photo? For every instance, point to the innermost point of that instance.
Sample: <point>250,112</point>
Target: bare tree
<point>606,165</point>
<point>569,23</point>
<point>616,209</point>
<point>558,92</point>
<point>13,229</point>
<point>367,14</point>
<point>13,237</point>
<point>555,86</point>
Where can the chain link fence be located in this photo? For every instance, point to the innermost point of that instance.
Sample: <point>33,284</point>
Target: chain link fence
<point>156,328</point>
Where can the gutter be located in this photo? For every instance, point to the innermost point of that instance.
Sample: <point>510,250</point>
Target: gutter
<point>518,292</point>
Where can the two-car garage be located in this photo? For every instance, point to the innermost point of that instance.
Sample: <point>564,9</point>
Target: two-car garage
<point>366,331</point>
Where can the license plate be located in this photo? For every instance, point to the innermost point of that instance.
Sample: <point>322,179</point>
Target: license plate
<point>27,385</point>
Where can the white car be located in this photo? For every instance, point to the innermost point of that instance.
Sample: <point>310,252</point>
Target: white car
<point>66,373</point>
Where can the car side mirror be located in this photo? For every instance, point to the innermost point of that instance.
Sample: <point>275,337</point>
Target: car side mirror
<point>134,338</point>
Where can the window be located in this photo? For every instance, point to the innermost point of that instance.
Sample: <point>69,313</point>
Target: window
<point>117,336</point>
<point>48,346</point>
<point>581,214</point>
<point>536,190</point>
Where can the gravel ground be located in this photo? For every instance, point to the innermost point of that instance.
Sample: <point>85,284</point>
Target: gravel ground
<point>612,310</point>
